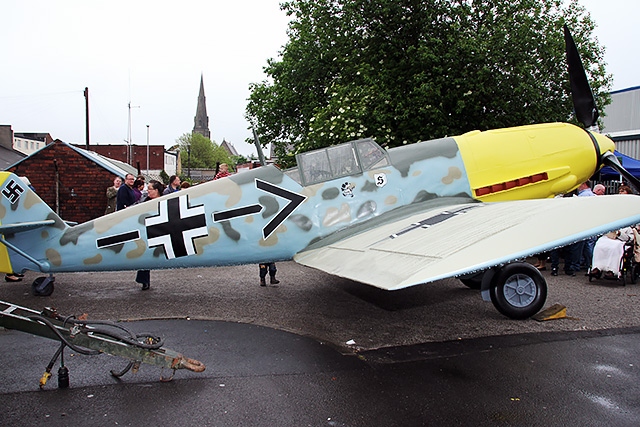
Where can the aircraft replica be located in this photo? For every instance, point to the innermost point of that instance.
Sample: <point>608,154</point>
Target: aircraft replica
<point>470,206</point>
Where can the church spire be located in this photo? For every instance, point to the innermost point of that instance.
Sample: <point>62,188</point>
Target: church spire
<point>201,120</point>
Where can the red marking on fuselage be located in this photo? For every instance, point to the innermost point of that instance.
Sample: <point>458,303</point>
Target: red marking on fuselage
<point>503,186</point>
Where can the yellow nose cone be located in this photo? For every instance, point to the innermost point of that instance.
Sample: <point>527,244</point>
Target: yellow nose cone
<point>529,162</point>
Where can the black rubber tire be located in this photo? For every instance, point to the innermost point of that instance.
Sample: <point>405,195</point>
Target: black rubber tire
<point>635,273</point>
<point>623,271</point>
<point>473,281</point>
<point>518,291</point>
<point>47,291</point>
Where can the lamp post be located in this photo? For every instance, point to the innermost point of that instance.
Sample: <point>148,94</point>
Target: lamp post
<point>147,150</point>
<point>129,143</point>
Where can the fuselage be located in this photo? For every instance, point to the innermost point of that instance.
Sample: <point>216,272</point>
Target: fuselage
<point>267,214</point>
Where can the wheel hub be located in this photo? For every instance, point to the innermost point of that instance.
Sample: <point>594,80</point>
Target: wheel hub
<point>520,290</point>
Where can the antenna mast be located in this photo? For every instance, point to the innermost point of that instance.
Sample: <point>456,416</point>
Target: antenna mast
<point>128,140</point>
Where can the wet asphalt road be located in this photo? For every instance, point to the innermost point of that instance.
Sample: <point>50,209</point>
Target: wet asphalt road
<point>431,355</point>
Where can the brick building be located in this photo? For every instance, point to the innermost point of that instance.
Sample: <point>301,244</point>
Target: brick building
<point>71,180</point>
<point>138,155</point>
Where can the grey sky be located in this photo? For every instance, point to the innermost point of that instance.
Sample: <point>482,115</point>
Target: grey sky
<point>618,31</point>
<point>148,52</point>
<point>152,53</point>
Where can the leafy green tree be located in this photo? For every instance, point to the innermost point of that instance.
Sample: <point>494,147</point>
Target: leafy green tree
<point>238,160</point>
<point>199,152</point>
<point>402,71</point>
<point>164,177</point>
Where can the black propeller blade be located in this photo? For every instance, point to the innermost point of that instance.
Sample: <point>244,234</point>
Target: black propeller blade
<point>585,106</point>
<point>584,103</point>
<point>611,160</point>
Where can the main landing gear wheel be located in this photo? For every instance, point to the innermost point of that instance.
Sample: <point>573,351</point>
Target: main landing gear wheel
<point>518,290</point>
<point>42,286</point>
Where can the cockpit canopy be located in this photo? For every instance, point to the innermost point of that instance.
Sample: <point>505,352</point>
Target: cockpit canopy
<point>326,164</point>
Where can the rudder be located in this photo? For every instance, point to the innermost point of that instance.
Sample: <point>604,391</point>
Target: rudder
<point>21,212</point>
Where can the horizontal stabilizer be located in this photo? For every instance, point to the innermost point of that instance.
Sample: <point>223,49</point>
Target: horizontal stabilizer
<point>24,226</point>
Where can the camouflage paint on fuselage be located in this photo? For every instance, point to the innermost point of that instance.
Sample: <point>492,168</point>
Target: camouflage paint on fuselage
<point>327,207</point>
<point>266,215</point>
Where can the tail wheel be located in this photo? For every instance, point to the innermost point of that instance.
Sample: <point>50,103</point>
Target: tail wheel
<point>518,291</point>
<point>42,286</point>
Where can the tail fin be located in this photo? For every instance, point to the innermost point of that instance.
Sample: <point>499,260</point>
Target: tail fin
<point>25,220</point>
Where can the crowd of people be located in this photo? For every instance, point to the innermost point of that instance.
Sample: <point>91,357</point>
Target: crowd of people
<point>609,248</point>
<point>597,255</point>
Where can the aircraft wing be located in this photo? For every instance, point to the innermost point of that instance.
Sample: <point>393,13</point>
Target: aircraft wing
<point>462,238</point>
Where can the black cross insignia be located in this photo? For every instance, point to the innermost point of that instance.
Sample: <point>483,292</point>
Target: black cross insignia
<point>12,191</point>
<point>176,226</point>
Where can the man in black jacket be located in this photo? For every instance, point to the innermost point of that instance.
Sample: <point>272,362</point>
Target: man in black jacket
<point>126,197</point>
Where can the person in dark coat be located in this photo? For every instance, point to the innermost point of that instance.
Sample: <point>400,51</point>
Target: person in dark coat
<point>154,190</point>
<point>271,268</point>
<point>126,196</point>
